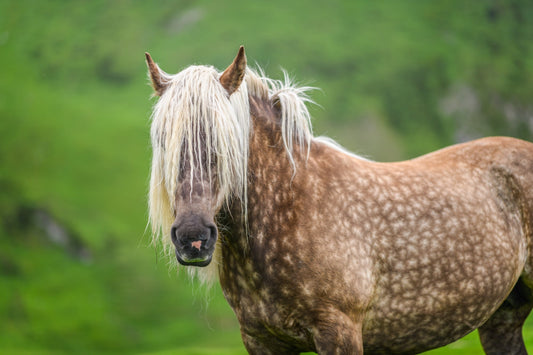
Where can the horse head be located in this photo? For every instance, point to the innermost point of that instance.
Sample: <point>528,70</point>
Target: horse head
<point>199,140</point>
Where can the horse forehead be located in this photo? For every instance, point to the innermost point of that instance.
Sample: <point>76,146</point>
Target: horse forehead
<point>194,86</point>
<point>192,73</point>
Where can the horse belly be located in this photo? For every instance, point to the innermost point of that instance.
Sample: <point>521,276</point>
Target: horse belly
<point>430,299</point>
<point>444,262</point>
<point>429,318</point>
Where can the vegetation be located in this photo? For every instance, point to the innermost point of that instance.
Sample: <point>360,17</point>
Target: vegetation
<point>398,79</point>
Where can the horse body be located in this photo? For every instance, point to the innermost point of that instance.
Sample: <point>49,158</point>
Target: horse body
<point>458,233</point>
<point>336,254</point>
<point>401,253</point>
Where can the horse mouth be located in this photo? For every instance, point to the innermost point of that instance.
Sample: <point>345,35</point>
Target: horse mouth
<point>196,260</point>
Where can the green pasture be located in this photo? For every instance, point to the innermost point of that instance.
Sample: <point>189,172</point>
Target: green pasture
<point>397,79</point>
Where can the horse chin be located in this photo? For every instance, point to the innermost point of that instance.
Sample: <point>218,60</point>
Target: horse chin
<point>200,262</point>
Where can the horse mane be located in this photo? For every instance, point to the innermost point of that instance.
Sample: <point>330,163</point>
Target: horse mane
<point>295,122</point>
<point>194,120</point>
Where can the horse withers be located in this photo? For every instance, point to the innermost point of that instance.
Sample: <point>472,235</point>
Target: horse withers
<point>319,250</point>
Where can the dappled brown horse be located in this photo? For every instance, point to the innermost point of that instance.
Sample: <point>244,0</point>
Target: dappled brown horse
<point>319,250</point>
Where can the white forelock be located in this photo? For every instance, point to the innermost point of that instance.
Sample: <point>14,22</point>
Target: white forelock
<point>195,120</point>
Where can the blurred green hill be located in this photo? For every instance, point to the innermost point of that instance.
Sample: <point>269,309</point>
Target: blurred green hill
<point>77,273</point>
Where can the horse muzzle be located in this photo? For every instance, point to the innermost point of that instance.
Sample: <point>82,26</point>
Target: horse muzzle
<point>194,241</point>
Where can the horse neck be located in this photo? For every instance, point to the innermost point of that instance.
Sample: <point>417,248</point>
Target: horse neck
<point>270,177</point>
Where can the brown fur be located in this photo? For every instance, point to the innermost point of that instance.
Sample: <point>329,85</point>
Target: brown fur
<point>340,255</point>
<point>392,258</point>
<point>157,78</point>
<point>232,77</point>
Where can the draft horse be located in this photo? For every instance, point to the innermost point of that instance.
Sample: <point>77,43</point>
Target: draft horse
<point>317,249</point>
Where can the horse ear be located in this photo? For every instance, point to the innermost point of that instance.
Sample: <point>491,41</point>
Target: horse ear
<point>158,77</point>
<point>232,77</point>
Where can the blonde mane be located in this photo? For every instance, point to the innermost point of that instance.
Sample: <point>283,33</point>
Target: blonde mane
<point>196,120</point>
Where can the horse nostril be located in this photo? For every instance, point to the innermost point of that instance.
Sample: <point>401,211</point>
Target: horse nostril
<point>212,235</point>
<point>201,236</point>
<point>212,231</point>
<point>174,235</point>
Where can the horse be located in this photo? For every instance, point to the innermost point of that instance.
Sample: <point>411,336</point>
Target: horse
<point>317,249</point>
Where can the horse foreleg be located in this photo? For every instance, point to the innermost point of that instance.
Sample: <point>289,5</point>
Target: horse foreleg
<point>502,333</point>
<point>336,333</point>
<point>265,344</point>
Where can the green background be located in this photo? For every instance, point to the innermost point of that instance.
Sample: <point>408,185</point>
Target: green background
<point>397,79</point>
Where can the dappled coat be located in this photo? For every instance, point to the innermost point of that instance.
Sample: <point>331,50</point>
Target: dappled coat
<point>319,250</point>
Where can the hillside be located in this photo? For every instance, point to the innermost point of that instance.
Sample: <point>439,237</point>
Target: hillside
<point>77,273</point>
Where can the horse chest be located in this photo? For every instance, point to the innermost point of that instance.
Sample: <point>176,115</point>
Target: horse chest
<point>264,307</point>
